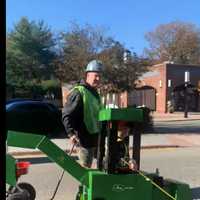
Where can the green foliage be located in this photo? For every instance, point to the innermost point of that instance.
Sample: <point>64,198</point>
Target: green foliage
<point>51,86</point>
<point>36,90</point>
<point>120,75</point>
<point>82,44</point>
<point>29,55</point>
<point>79,46</point>
<point>32,64</point>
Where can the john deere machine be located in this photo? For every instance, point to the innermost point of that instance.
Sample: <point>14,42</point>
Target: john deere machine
<point>116,178</point>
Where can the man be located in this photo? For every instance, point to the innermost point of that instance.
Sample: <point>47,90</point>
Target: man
<point>80,113</point>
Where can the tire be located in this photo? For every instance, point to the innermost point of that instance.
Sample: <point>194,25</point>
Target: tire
<point>24,195</point>
<point>29,189</point>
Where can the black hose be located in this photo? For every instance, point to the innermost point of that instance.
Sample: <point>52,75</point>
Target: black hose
<point>61,177</point>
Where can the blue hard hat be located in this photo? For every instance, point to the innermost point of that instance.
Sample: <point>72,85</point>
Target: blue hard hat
<point>94,66</point>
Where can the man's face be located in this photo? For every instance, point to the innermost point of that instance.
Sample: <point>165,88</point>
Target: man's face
<point>93,79</point>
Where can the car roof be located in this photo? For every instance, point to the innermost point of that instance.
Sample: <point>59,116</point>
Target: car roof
<point>21,100</point>
<point>29,101</point>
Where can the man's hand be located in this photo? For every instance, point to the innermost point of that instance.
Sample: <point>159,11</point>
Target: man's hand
<point>74,139</point>
<point>133,165</point>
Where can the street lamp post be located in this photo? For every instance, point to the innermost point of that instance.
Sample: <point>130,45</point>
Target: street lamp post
<point>169,103</point>
<point>187,80</point>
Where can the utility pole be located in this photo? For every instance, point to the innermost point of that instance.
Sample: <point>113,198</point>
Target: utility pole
<point>187,80</point>
<point>170,104</point>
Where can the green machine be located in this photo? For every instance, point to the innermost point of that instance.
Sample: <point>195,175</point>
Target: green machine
<point>11,178</point>
<point>110,181</point>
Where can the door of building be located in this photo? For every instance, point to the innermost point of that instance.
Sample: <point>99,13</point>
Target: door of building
<point>145,96</point>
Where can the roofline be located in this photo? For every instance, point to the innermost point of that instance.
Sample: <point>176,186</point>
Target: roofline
<point>186,65</point>
<point>177,64</point>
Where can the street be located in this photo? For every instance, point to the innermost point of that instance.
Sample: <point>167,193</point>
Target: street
<point>181,164</point>
<point>192,126</point>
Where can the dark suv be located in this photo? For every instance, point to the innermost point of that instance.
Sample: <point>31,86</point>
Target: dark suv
<point>34,116</point>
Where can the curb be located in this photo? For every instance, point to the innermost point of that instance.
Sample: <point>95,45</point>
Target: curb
<point>175,120</point>
<point>161,146</point>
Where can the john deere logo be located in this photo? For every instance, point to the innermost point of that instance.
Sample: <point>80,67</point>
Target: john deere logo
<point>121,188</point>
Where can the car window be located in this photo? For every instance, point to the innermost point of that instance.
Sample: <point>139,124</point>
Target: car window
<point>22,108</point>
<point>53,107</point>
<point>39,108</point>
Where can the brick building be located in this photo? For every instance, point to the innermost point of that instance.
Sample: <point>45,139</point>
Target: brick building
<point>162,84</point>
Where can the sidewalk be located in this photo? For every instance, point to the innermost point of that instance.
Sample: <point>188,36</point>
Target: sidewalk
<point>176,116</point>
<point>148,141</point>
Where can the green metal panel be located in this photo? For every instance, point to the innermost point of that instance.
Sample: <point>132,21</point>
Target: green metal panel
<point>62,159</point>
<point>183,192</point>
<point>132,187</point>
<point>118,187</point>
<point>10,170</point>
<point>158,195</point>
<point>123,114</point>
<point>159,192</point>
<point>21,139</point>
<point>180,190</point>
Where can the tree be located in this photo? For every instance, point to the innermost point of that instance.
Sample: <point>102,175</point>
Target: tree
<point>177,41</point>
<point>120,75</point>
<point>82,44</point>
<point>78,46</point>
<point>29,53</point>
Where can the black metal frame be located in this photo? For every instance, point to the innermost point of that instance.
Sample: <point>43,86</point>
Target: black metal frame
<point>110,130</point>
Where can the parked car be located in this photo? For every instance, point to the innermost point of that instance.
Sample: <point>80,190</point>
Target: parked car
<point>34,116</point>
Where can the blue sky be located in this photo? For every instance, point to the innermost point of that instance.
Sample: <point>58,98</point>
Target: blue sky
<point>126,20</point>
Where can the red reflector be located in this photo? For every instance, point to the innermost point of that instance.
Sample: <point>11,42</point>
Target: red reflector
<point>22,168</point>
